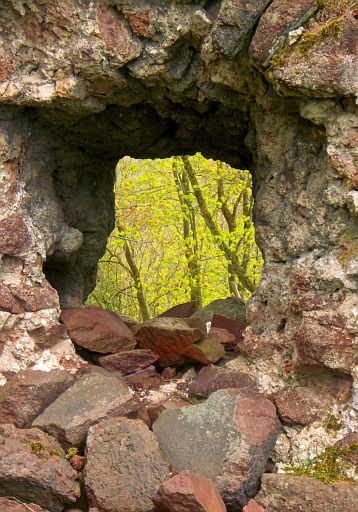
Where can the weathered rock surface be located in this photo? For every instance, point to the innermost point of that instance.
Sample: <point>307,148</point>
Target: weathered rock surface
<point>129,361</point>
<point>124,466</point>
<point>188,492</point>
<point>253,506</point>
<point>348,441</point>
<point>228,439</point>
<point>284,493</point>
<point>13,505</point>
<point>212,378</point>
<point>27,394</point>
<point>84,83</point>
<point>33,469</point>
<point>97,330</point>
<point>176,343</point>
<point>299,406</point>
<point>148,378</point>
<point>235,327</point>
<point>92,398</point>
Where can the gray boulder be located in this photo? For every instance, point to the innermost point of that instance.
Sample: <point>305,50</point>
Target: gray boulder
<point>228,439</point>
<point>231,307</point>
<point>94,397</point>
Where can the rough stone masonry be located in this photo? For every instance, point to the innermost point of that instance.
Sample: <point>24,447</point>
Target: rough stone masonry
<point>266,85</point>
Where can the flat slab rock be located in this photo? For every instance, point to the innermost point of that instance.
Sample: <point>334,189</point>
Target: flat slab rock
<point>13,505</point>
<point>188,492</point>
<point>97,330</point>
<point>176,343</point>
<point>286,493</point>
<point>27,394</point>
<point>125,467</point>
<point>128,361</point>
<point>299,406</point>
<point>94,397</point>
<point>33,469</point>
<point>228,439</point>
<point>212,378</point>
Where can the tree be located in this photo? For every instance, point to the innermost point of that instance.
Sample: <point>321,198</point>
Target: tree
<point>183,232</point>
<point>190,235</point>
<point>230,239</point>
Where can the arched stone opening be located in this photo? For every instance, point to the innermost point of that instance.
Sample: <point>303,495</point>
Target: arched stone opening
<point>85,83</point>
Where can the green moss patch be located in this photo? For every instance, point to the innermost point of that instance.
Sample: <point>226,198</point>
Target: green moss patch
<point>328,466</point>
<point>331,29</point>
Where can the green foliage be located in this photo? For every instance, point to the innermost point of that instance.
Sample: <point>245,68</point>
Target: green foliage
<point>152,228</point>
<point>328,466</point>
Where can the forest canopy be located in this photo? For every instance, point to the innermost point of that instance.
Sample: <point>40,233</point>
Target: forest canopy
<point>184,231</point>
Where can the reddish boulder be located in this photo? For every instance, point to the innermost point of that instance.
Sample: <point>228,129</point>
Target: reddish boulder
<point>97,329</point>
<point>27,394</point>
<point>287,493</point>
<point>234,327</point>
<point>130,322</point>
<point>34,470</point>
<point>129,361</point>
<point>189,492</point>
<point>125,467</point>
<point>253,506</point>
<point>15,505</point>
<point>212,378</point>
<point>180,311</point>
<point>227,340</point>
<point>176,343</point>
<point>148,378</point>
<point>299,406</point>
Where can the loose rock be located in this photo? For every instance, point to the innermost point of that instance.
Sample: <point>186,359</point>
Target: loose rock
<point>27,394</point>
<point>92,398</point>
<point>286,493</point>
<point>299,406</point>
<point>228,439</point>
<point>14,505</point>
<point>180,311</point>
<point>177,344</point>
<point>124,466</point>
<point>253,506</point>
<point>33,469</point>
<point>129,361</point>
<point>212,378</point>
<point>97,330</point>
<point>229,308</point>
<point>188,492</point>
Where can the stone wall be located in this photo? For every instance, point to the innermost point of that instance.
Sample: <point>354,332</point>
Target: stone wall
<point>263,85</point>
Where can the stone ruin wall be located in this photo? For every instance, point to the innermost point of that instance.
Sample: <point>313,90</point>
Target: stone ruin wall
<point>83,83</point>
